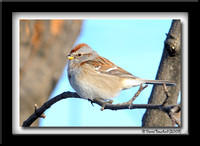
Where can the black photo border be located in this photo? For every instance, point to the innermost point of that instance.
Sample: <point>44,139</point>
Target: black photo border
<point>9,7</point>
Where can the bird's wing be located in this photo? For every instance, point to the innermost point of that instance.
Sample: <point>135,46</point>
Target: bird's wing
<point>104,66</point>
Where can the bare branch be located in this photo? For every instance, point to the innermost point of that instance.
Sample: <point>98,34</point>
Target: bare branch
<point>129,103</point>
<point>105,105</point>
<point>47,105</point>
<point>171,112</point>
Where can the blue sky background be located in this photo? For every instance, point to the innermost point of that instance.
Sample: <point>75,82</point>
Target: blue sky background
<point>134,45</point>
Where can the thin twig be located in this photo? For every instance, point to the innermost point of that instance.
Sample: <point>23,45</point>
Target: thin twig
<point>167,95</point>
<point>42,115</point>
<point>170,112</point>
<point>137,93</point>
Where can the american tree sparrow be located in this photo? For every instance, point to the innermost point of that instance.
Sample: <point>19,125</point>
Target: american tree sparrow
<point>93,76</point>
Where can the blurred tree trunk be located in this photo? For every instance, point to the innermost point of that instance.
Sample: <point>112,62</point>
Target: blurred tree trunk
<point>43,47</point>
<point>169,69</point>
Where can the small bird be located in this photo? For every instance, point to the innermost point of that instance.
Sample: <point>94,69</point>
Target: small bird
<point>93,76</point>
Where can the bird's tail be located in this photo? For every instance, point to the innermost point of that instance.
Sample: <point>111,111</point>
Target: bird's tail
<point>159,82</point>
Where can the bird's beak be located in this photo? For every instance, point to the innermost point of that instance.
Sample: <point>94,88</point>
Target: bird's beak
<point>69,57</point>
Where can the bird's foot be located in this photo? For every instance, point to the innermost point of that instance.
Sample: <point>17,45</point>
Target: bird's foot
<point>104,104</point>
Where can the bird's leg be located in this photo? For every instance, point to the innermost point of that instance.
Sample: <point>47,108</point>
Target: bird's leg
<point>101,102</point>
<point>104,104</point>
<point>91,101</point>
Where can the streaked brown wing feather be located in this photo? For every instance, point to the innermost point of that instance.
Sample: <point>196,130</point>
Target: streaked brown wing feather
<point>103,65</point>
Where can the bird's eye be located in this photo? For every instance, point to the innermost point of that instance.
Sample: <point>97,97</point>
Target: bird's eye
<point>79,54</point>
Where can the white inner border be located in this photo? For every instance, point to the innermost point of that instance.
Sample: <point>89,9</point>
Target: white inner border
<point>16,16</point>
